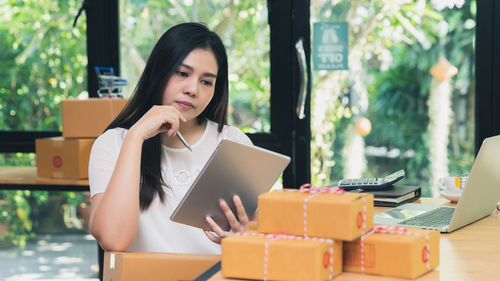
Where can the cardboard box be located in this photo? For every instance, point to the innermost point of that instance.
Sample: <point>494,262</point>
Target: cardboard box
<point>63,158</point>
<point>89,118</point>
<point>337,216</point>
<point>252,226</point>
<point>129,266</point>
<point>280,257</point>
<point>400,253</point>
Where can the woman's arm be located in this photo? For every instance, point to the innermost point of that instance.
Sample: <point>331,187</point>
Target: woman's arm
<point>115,213</point>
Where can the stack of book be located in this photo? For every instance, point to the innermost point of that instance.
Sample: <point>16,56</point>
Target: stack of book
<point>394,195</point>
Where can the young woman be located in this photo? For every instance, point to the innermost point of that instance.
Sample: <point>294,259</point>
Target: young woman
<point>139,170</point>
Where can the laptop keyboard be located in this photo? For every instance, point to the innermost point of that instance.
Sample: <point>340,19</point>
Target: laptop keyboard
<point>437,218</point>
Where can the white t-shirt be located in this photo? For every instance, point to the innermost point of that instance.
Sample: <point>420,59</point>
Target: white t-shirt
<point>156,232</point>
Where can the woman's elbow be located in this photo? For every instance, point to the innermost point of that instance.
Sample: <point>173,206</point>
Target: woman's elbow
<point>109,242</point>
<point>113,244</point>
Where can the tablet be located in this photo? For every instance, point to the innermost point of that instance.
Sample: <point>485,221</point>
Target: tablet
<point>232,169</point>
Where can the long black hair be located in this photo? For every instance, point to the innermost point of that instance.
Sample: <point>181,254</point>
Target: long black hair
<point>168,53</point>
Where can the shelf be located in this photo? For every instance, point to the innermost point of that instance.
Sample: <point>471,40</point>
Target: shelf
<point>25,178</point>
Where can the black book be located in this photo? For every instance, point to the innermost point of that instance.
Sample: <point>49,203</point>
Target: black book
<point>209,273</point>
<point>394,196</point>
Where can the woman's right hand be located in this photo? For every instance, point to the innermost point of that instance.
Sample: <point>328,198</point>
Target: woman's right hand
<point>158,119</point>
<point>111,224</point>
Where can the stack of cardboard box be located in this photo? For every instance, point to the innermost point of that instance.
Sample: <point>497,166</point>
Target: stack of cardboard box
<point>301,235</point>
<point>315,234</point>
<point>83,121</point>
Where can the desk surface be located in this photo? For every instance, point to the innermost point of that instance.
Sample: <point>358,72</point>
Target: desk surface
<point>469,253</point>
<point>23,177</point>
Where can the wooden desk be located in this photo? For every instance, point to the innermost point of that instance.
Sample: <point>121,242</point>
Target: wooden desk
<point>25,178</point>
<point>469,253</point>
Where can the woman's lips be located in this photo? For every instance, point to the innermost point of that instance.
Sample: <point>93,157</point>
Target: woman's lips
<point>185,104</point>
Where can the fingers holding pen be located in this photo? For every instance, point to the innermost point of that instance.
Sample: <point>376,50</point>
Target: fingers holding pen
<point>171,118</point>
<point>158,119</point>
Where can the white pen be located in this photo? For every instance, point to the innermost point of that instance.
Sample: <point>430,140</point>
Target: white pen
<point>183,141</point>
<point>181,138</point>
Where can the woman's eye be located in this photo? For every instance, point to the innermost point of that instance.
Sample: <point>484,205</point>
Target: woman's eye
<point>181,73</point>
<point>207,82</point>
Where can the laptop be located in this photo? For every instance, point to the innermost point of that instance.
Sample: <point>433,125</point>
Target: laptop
<point>232,169</point>
<point>477,201</point>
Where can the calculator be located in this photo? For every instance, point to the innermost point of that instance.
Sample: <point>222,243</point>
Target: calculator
<point>372,183</point>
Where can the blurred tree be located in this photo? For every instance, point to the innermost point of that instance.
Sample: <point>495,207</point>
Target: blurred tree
<point>392,46</point>
<point>43,61</point>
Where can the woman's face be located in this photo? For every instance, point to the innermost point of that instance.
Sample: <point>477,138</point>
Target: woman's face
<point>192,85</point>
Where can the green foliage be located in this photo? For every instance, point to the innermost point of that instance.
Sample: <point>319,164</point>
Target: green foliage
<point>43,60</point>
<point>14,213</point>
<point>17,159</point>
<point>399,117</point>
<point>399,43</point>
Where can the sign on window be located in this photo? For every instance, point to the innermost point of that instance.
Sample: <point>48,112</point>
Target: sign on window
<point>330,46</point>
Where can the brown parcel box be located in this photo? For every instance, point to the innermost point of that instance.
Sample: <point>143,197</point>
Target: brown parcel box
<point>89,118</point>
<point>280,257</point>
<point>394,251</point>
<point>63,158</point>
<point>134,266</point>
<point>342,216</point>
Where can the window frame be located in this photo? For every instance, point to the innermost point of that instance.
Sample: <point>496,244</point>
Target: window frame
<point>487,69</point>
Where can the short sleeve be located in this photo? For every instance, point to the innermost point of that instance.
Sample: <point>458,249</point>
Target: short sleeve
<point>103,157</point>
<point>235,134</point>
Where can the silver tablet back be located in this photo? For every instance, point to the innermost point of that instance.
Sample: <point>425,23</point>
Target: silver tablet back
<point>233,169</point>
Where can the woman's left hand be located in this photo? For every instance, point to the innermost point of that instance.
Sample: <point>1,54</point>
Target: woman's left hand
<point>237,225</point>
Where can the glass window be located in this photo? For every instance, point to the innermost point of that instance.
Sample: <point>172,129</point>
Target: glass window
<point>43,59</point>
<point>407,98</point>
<point>243,28</point>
